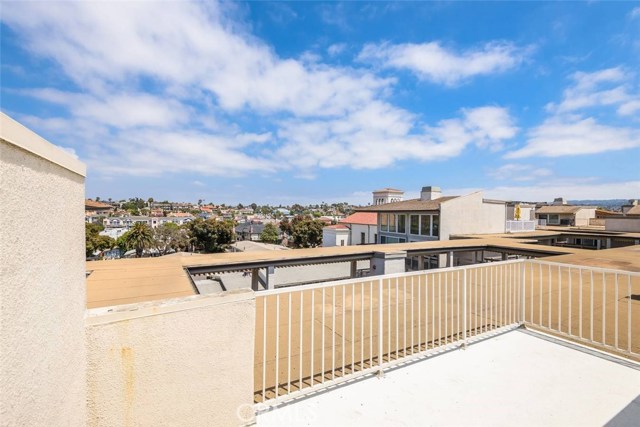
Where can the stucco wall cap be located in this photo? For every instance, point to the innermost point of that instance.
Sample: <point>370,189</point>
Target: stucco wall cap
<point>19,135</point>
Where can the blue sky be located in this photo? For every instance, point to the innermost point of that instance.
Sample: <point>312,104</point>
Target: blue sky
<point>308,102</point>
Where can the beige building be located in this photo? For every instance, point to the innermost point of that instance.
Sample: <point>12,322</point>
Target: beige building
<point>568,215</point>
<point>437,217</point>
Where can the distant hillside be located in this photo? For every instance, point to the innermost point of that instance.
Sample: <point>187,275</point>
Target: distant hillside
<point>609,204</point>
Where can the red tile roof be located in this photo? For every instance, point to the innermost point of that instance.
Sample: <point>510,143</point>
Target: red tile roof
<point>364,218</point>
<point>92,204</point>
<point>337,227</point>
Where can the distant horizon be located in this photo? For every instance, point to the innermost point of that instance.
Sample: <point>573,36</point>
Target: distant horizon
<point>303,102</point>
<point>620,201</point>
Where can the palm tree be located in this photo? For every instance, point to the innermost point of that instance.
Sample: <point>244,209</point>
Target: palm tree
<point>139,238</point>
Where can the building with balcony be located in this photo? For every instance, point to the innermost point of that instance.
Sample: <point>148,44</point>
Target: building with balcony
<point>548,341</point>
<point>436,217</point>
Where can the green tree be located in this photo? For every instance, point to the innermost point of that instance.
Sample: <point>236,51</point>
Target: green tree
<point>169,236</point>
<point>94,242</point>
<point>285,226</point>
<point>270,234</point>
<point>306,232</point>
<point>139,237</point>
<point>211,235</point>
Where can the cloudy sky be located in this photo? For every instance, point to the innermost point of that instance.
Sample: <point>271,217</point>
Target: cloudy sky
<point>308,102</point>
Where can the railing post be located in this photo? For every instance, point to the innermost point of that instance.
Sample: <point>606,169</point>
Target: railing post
<point>380,334</point>
<point>523,272</point>
<point>464,308</point>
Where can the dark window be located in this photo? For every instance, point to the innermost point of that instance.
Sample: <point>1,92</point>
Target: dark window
<point>425,225</point>
<point>402,223</point>
<point>362,238</point>
<point>435,226</point>
<point>415,224</point>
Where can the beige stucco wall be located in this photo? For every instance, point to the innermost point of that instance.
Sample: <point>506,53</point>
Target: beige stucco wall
<point>469,215</point>
<point>629,224</point>
<point>186,362</point>
<point>583,216</point>
<point>42,285</point>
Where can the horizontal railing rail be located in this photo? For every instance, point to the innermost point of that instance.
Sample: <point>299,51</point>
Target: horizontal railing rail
<point>313,336</point>
<point>520,226</point>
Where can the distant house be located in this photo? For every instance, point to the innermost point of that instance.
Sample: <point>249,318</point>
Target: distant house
<point>437,217</point>
<point>91,207</point>
<point>565,215</point>
<point>249,231</point>
<point>363,228</point>
<point>127,222</point>
<point>335,235</point>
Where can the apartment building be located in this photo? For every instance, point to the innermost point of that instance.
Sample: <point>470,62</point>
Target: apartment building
<point>437,217</point>
<point>561,213</point>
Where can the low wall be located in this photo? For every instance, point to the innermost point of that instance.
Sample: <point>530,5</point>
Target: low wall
<point>629,224</point>
<point>186,362</point>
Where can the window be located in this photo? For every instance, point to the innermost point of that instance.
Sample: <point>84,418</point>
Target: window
<point>554,219</point>
<point>435,221</point>
<point>384,222</point>
<point>402,223</point>
<point>362,238</point>
<point>383,239</point>
<point>415,224</point>
<point>392,223</point>
<point>375,237</point>
<point>341,242</point>
<point>425,225</point>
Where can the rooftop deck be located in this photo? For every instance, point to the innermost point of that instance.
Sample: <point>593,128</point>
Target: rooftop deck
<point>127,281</point>
<point>516,378</point>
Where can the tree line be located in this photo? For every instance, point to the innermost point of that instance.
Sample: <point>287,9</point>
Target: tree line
<point>208,236</point>
<point>200,235</point>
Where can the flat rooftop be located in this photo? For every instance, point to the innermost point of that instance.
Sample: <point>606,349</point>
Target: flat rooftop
<point>127,281</point>
<point>517,378</point>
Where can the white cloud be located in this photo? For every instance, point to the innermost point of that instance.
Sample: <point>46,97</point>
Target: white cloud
<point>547,190</point>
<point>635,13</point>
<point>562,137</point>
<point>152,79</point>
<point>191,45</point>
<point>567,132</point>
<point>431,61</point>
<point>519,172</point>
<point>608,87</point>
<point>121,110</point>
<point>336,49</point>
<point>380,135</point>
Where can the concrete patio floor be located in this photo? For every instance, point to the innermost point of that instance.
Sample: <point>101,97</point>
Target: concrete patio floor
<point>517,378</point>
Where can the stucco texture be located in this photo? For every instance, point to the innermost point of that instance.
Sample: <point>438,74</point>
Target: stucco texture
<point>184,362</point>
<point>42,292</point>
<point>469,215</point>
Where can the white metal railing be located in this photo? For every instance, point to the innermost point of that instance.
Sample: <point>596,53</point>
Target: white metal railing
<point>313,336</point>
<point>596,306</point>
<point>520,226</point>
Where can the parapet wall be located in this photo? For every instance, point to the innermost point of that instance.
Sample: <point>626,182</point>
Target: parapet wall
<point>186,362</point>
<point>42,282</point>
